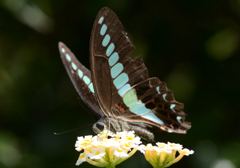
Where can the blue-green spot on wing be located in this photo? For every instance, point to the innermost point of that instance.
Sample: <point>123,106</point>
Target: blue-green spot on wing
<point>81,79</point>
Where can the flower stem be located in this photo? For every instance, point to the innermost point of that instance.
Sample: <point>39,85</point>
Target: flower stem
<point>110,166</point>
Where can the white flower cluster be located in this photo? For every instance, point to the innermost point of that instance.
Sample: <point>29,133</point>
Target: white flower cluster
<point>107,148</point>
<point>164,155</point>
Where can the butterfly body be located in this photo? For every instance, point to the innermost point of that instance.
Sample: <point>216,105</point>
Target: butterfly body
<point>120,124</point>
<point>117,91</point>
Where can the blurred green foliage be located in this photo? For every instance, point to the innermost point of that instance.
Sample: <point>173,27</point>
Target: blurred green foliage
<point>191,45</point>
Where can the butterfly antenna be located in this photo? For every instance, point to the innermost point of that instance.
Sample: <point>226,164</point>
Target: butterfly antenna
<point>60,133</point>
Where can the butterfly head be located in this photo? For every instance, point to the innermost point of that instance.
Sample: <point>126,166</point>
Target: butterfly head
<point>111,124</point>
<point>99,127</point>
<point>104,123</point>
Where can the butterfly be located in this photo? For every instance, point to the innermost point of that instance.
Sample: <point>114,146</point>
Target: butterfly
<point>117,91</point>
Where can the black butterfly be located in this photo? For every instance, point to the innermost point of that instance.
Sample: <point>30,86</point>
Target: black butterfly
<point>117,91</point>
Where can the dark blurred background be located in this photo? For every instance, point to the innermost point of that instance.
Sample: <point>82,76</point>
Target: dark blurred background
<point>191,45</point>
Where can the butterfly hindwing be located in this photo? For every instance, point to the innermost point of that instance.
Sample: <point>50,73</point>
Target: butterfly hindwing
<point>81,79</point>
<point>152,104</point>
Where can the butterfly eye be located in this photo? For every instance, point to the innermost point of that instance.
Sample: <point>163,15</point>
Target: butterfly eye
<point>100,126</point>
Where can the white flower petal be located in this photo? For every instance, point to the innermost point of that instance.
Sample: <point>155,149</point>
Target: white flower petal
<point>81,158</point>
<point>188,152</point>
<point>98,156</point>
<point>121,154</point>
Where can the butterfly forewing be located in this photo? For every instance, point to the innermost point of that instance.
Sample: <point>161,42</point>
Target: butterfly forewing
<point>81,79</point>
<point>111,65</point>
